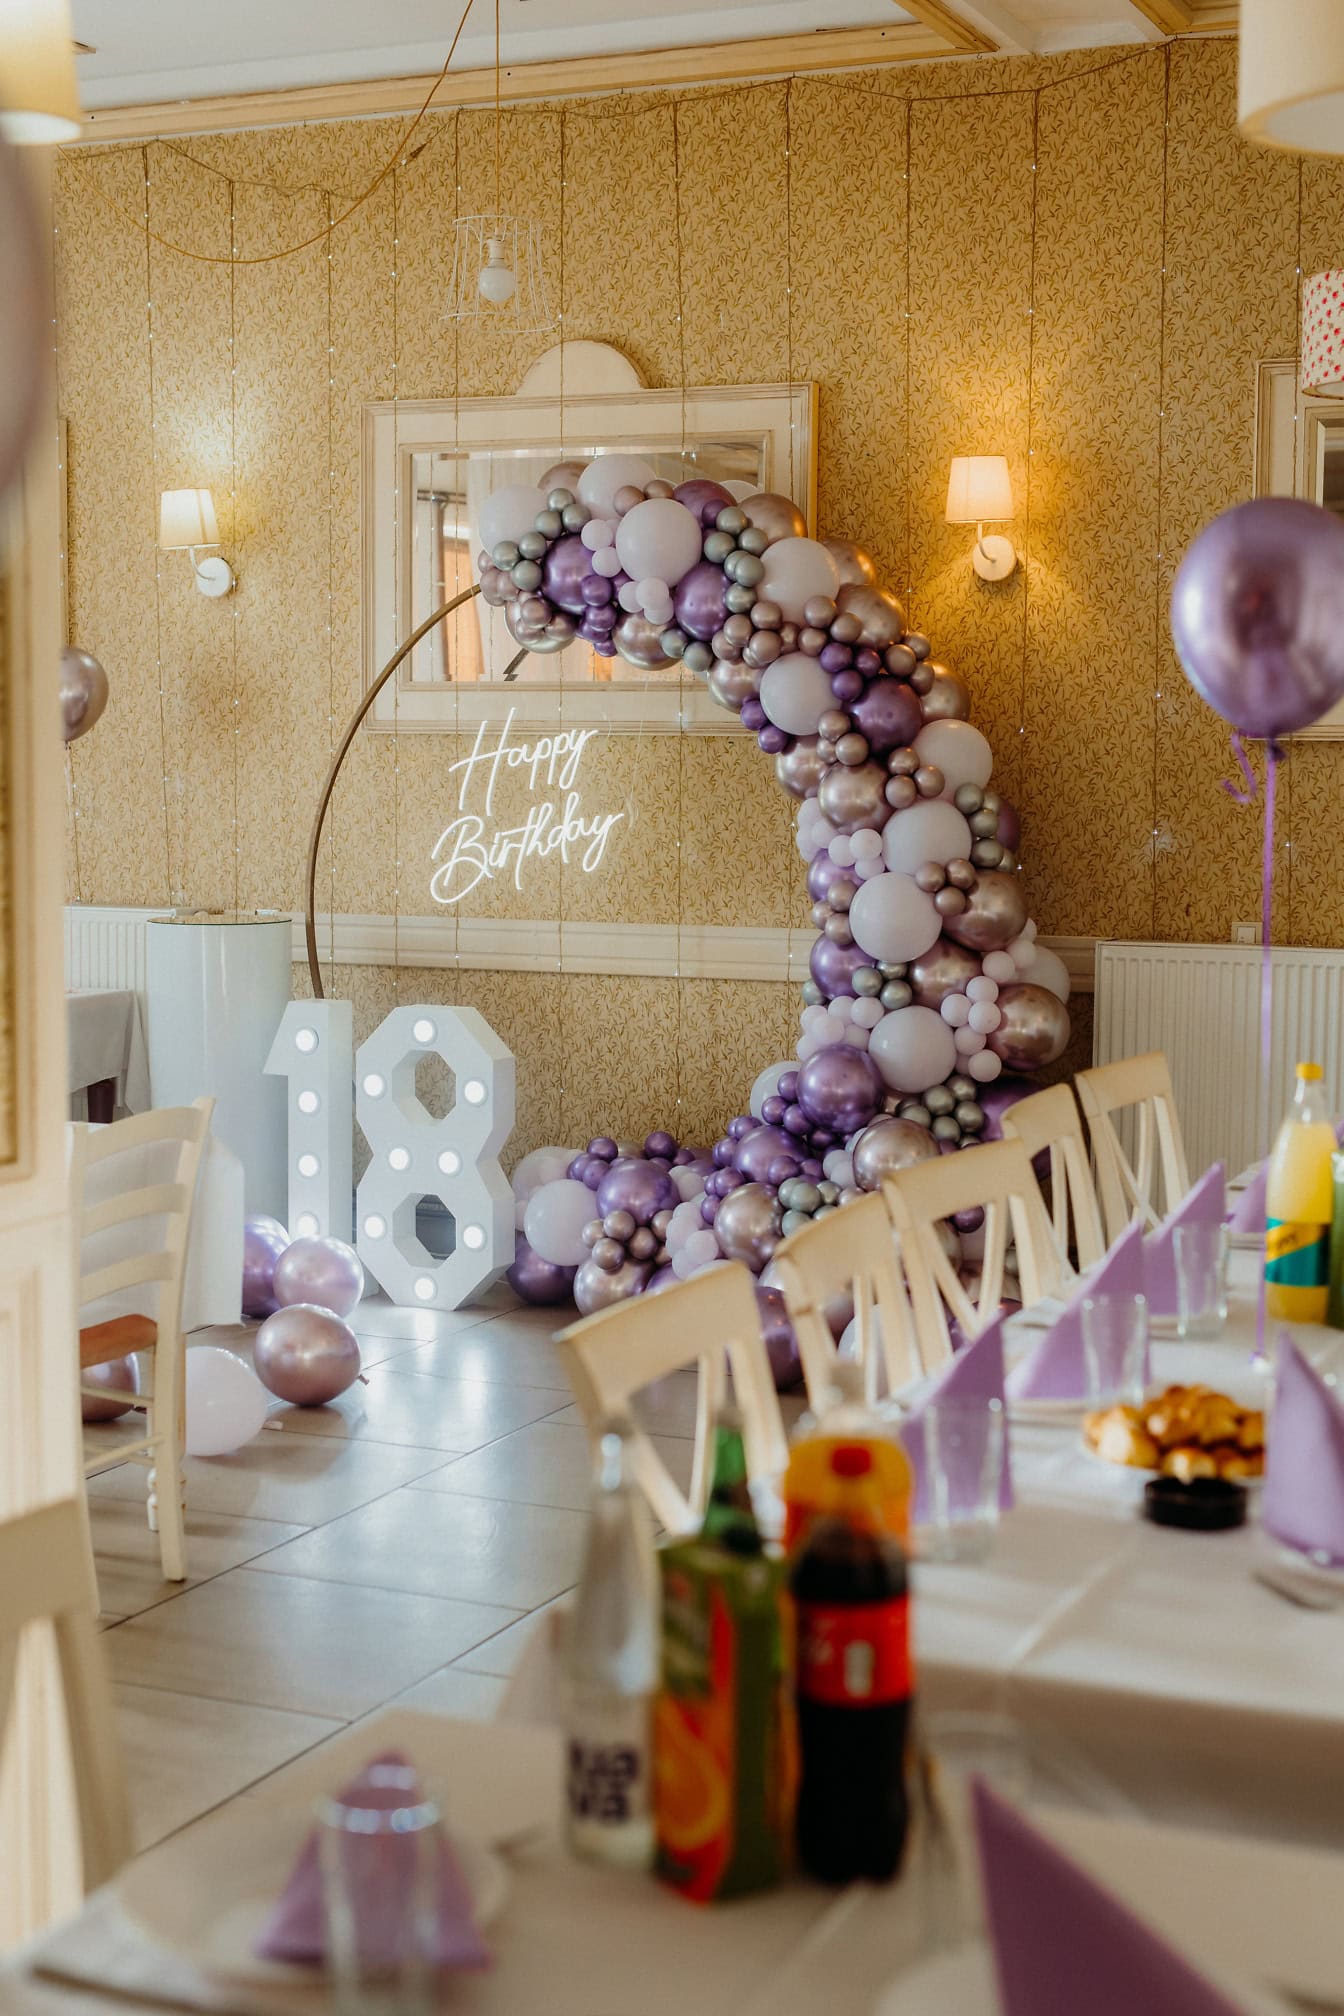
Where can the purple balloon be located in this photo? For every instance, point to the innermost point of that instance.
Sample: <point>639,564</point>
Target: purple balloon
<point>1010,826</point>
<point>773,1110</point>
<point>662,1277</point>
<point>596,592</point>
<point>847,686</point>
<point>264,1240</point>
<point>787,1087</point>
<point>660,1143</point>
<point>563,572</point>
<point>538,1281</point>
<point>752,715</point>
<point>305,1354</point>
<point>755,1152</point>
<point>840,1088</point>
<point>699,600</point>
<point>603,1147</point>
<point>780,1342</point>
<point>835,657</point>
<point>1257,615</point>
<point>995,1098</point>
<point>774,741</point>
<point>636,1187</point>
<point>740,1124</point>
<point>888,715</point>
<point>704,498</point>
<point>324,1272</point>
<point>122,1375</point>
<point>833,966</point>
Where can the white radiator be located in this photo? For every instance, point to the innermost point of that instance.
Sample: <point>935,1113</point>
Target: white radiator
<point>105,947</point>
<point>1200,1004</point>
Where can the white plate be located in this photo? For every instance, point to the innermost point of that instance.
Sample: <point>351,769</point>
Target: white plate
<point>1049,1413</point>
<point>1329,1575</point>
<point>209,1897</point>
<point>961,1983</point>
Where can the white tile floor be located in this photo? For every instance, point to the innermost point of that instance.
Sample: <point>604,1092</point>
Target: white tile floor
<point>392,1546</point>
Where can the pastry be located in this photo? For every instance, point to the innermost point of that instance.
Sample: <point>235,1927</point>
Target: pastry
<point>1189,1462</point>
<point>1184,1432</point>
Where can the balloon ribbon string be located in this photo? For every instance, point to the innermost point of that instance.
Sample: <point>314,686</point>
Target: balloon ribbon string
<point>1247,796</point>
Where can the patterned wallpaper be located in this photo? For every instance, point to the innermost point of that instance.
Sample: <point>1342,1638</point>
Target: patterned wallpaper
<point>1125,403</point>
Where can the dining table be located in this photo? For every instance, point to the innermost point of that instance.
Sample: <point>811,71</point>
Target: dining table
<point>576,1939</point>
<point>107,1061</point>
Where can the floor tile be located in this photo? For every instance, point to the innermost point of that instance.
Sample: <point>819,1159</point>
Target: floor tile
<point>301,1479</point>
<point>285,1642</point>
<point>544,1464</point>
<point>498,1656</point>
<point>454,1691</point>
<point>412,1409</point>
<point>665,1408</point>
<point>385,1331</point>
<point>506,1351</point>
<point>126,1553</point>
<point>480,1550</point>
<point>184,1755</point>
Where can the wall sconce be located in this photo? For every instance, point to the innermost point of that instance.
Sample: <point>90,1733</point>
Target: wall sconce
<point>979,490</point>
<point>40,105</point>
<point>187,520</point>
<point>1322,343</point>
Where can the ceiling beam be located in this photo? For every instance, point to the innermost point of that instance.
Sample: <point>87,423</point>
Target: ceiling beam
<point>1013,36</point>
<point>959,34</point>
<point>1169,17</point>
<point>571,77</point>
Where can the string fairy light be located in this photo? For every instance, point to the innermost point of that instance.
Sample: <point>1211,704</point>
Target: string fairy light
<point>909,569</point>
<point>236,697</point>
<point>331,595</point>
<point>154,532</point>
<point>1020,769</point>
<point>71,778</point>
<point>1159,601</point>
<point>396,590</point>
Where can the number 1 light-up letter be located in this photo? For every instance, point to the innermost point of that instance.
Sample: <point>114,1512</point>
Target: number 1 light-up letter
<point>313,1049</point>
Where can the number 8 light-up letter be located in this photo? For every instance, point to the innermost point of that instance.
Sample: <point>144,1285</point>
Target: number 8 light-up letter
<point>414,1155</point>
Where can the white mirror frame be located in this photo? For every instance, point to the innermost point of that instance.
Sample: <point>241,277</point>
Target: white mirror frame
<point>394,433</point>
<point>1292,436</point>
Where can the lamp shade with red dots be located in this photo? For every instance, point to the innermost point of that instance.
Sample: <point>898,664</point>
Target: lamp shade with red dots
<point>1323,334</point>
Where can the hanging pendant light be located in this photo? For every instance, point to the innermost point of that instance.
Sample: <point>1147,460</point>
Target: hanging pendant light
<point>497,266</point>
<point>1291,91</point>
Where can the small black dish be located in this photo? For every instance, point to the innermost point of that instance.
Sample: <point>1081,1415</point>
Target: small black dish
<point>1205,1505</point>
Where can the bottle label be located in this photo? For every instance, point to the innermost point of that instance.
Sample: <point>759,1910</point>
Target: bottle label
<point>854,1654</point>
<point>1297,1256</point>
<point>607,1782</point>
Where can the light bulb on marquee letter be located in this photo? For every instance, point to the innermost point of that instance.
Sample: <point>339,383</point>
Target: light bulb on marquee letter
<point>314,1051</point>
<point>413,1155</point>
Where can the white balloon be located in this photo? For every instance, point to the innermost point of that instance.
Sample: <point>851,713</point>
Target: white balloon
<point>795,571</point>
<point>930,831</point>
<point>737,489</point>
<point>689,1182</point>
<point>541,1165</point>
<point>999,966</point>
<point>913,1048</point>
<point>891,918</point>
<point>556,1216</point>
<point>685,1220</point>
<point>1048,970</point>
<point>795,692</point>
<point>969,1042</point>
<point>519,1213</point>
<point>226,1403</point>
<point>955,1010</point>
<point>509,512</point>
<point>659,539</point>
<point>605,475</point>
<point>985,1066</point>
<point>767,1084</point>
<point>958,750</point>
<point>982,988</point>
<point>985,1016</point>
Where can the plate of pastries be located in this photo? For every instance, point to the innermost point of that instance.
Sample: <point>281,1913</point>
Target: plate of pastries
<point>1184,1432</point>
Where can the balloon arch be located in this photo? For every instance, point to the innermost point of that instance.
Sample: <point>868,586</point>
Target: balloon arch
<point>927,984</point>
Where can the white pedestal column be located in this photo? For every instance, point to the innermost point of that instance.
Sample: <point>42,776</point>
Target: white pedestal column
<point>217,988</point>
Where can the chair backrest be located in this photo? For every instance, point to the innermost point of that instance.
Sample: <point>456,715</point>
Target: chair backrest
<point>997,1177</point>
<point>45,1577</point>
<point>710,1322</point>
<point>850,1252</point>
<point>1128,1188</point>
<point>1049,1123</point>
<point>137,1180</point>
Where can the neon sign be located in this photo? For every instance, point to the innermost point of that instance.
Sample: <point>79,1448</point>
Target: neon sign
<point>472,849</point>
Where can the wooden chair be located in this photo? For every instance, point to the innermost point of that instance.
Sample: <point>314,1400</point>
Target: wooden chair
<point>1050,1122</point>
<point>998,1177</point>
<point>155,1216</point>
<point>710,1322</point>
<point>852,1251</point>
<point>45,1579</point>
<point>1128,1189</point>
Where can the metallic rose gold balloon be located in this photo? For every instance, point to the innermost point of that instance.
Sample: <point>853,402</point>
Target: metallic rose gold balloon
<point>531,640</point>
<point>778,517</point>
<point>83,691</point>
<point>306,1355</point>
<point>120,1375</point>
<point>1034,1029</point>
<point>880,615</point>
<point>944,969</point>
<point>801,769</point>
<point>640,643</point>
<point>889,1145</point>
<point>855,567</point>
<point>995,912</point>
<point>855,797</point>
<point>949,697</point>
<point>731,684</point>
<point>561,476</point>
<point>748,1224</point>
<point>595,1289</point>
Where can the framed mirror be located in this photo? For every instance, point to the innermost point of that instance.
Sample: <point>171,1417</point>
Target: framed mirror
<point>429,464</point>
<point>1299,452</point>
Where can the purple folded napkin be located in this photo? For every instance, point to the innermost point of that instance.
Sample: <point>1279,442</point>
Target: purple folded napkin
<point>295,1930</point>
<point>1055,1368</point>
<point>1248,1213</point>
<point>1203,1204</point>
<point>975,1373</point>
<point>1063,1946</point>
<point>1303,1499</point>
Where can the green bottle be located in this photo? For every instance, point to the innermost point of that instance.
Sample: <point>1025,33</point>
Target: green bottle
<point>730,1517</point>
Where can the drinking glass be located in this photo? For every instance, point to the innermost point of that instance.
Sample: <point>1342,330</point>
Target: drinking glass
<point>1200,1253</point>
<point>963,1452</point>
<point>1115,1345</point>
<point>378,1853</point>
<point>953,1749</point>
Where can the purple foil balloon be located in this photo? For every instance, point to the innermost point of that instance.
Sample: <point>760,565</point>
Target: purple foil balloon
<point>833,966</point>
<point>995,1098</point>
<point>888,715</point>
<point>324,1272</point>
<point>752,716</point>
<point>662,1277</point>
<point>1257,615</point>
<point>563,572</point>
<point>699,600</point>
<point>603,1147</point>
<point>305,1354</point>
<point>538,1281</point>
<point>264,1240</point>
<point>122,1375</point>
<point>755,1152</point>
<point>840,1088</point>
<point>774,741</point>
<point>704,498</point>
<point>780,1343</point>
<point>1010,826</point>
<point>660,1143</point>
<point>636,1187</point>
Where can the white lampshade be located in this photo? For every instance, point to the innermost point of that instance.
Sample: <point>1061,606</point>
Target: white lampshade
<point>1291,91</point>
<point>187,518</point>
<point>1323,334</point>
<point>39,104</point>
<point>979,489</point>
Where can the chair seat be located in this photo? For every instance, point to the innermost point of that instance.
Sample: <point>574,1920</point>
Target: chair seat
<point>117,1338</point>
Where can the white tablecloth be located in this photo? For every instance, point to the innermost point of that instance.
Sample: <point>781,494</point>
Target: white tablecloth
<point>105,1038</point>
<point>212,1292</point>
